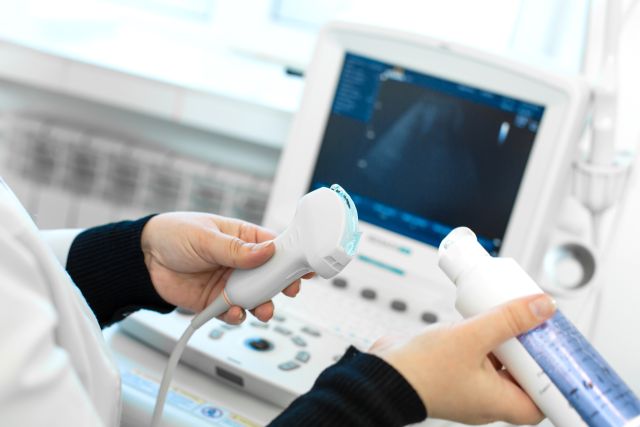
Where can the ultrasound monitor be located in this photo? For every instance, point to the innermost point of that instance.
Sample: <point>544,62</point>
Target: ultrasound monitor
<point>427,137</point>
<point>422,155</point>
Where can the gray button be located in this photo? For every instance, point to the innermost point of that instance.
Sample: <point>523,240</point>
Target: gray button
<point>428,317</point>
<point>303,356</point>
<point>367,293</point>
<point>229,327</point>
<point>184,311</point>
<point>311,331</point>
<point>282,330</point>
<point>398,305</point>
<point>289,366</point>
<point>299,341</point>
<point>216,334</point>
<point>339,282</point>
<point>258,324</point>
<point>278,318</point>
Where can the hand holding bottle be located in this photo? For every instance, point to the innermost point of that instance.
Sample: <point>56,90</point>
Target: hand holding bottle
<point>453,371</point>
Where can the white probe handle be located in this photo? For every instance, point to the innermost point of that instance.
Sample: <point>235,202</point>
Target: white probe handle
<point>250,288</point>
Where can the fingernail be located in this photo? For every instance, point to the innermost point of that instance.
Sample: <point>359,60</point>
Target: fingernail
<point>261,246</point>
<point>543,307</point>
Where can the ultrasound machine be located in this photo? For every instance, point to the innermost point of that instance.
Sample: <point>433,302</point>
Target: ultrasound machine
<point>425,136</point>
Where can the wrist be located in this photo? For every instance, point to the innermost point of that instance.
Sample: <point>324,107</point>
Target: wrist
<point>147,233</point>
<point>145,241</point>
<point>406,368</point>
<point>397,352</point>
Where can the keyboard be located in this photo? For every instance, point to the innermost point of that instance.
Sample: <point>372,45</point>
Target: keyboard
<point>357,317</point>
<point>280,360</point>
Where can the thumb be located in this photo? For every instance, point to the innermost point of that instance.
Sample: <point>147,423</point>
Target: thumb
<point>510,320</point>
<point>231,251</point>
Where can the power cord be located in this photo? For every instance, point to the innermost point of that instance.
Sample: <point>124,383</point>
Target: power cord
<point>216,308</point>
<point>168,374</point>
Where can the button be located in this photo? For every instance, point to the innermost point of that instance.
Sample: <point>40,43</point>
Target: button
<point>368,294</point>
<point>337,357</point>
<point>184,311</point>
<point>289,366</point>
<point>398,305</point>
<point>339,282</point>
<point>303,356</point>
<point>211,412</point>
<point>299,341</point>
<point>428,317</point>
<point>259,344</point>
<point>310,331</point>
<point>216,334</point>
<point>228,326</point>
<point>278,318</point>
<point>258,324</point>
<point>282,330</point>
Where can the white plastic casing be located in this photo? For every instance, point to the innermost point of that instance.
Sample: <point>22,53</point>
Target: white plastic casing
<point>311,242</point>
<point>483,283</point>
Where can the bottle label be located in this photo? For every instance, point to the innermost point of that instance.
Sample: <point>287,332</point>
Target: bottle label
<point>587,381</point>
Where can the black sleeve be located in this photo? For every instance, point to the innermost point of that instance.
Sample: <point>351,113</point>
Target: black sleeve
<point>359,390</point>
<point>107,265</point>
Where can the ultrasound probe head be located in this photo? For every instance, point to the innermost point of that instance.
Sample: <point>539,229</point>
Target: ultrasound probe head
<point>326,223</point>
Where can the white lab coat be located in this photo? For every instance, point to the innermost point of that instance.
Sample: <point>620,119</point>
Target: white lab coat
<point>55,368</point>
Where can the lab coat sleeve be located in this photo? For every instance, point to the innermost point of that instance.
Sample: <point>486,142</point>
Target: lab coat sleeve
<point>38,385</point>
<point>60,242</point>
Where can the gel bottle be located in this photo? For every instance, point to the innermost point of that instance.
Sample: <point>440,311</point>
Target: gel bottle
<point>563,374</point>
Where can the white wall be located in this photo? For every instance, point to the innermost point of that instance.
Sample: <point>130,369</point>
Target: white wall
<point>618,332</point>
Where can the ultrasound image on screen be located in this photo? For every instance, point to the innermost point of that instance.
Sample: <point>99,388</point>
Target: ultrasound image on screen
<point>421,155</point>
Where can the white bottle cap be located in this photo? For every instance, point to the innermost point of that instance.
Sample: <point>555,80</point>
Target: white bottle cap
<point>458,252</point>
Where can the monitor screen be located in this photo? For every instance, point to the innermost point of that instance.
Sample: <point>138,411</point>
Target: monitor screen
<point>421,155</point>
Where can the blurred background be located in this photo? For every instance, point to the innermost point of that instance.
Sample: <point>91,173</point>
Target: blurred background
<point>114,108</point>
